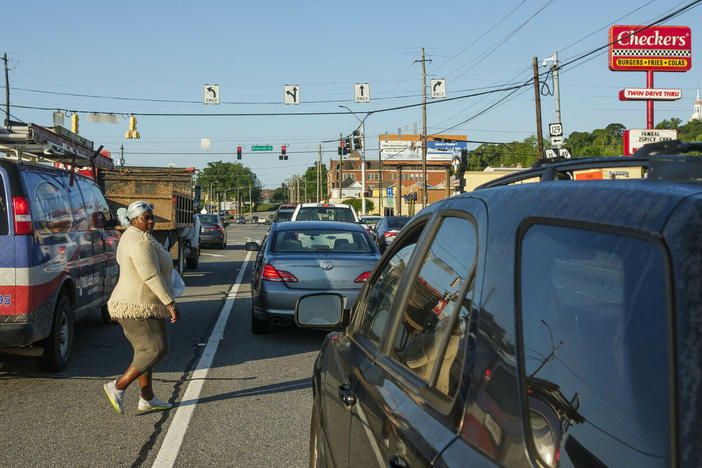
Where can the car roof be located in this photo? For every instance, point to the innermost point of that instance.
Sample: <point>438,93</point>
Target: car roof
<point>635,203</point>
<point>331,205</point>
<point>329,225</point>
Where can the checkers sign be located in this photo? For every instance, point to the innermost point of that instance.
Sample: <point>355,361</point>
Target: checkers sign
<point>655,48</point>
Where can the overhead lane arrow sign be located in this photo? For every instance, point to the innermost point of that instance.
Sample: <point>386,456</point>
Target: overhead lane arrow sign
<point>210,93</point>
<point>291,95</point>
<point>438,88</point>
<point>361,92</point>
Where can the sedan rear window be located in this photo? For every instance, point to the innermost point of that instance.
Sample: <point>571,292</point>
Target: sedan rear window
<point>209,219</point>
<point>321,240</point>
<point>321,213</point>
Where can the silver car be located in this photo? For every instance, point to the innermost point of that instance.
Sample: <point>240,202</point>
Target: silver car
<point>297,258</point>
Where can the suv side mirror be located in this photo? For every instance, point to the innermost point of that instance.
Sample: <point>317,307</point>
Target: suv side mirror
<point>252,246</point>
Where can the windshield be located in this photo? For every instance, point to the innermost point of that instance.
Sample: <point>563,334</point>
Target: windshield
<point>325,213</point>
<point>321,240</point>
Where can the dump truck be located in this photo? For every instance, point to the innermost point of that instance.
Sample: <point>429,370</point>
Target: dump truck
<point>170,189</point>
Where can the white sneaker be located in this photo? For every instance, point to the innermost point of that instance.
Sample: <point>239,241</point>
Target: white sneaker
<point>116,396</point>
<point>153,404</point>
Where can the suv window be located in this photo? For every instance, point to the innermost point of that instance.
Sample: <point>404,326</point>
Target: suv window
<point>53,212</point>
<point>428,339</point>
<point>381,292</point>
<point>600,295</point>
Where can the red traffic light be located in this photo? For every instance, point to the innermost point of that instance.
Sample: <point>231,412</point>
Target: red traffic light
<point>282,149</point>
<point>238,152</point>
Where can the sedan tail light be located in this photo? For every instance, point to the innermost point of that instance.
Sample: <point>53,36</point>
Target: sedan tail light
<point>389,233</point>
<point>271,274</point>
<point>362,278</point>
<point>215,228</point>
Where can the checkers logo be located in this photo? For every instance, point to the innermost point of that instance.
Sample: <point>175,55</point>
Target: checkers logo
<point>655,48</point>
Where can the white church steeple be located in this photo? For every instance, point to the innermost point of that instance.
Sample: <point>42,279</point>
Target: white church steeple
<point>697,110</point>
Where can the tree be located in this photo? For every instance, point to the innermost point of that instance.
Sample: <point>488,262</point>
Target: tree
<point>673,123</point>
<point>221,176</point>
<point>358,204</point>
<point>311,182</point>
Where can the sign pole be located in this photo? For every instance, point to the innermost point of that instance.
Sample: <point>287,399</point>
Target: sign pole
<point>649,103</point>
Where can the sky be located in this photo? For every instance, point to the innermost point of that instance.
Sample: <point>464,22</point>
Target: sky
<point>155,57</point>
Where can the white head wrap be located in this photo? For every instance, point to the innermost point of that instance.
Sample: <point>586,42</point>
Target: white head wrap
<point>125,215</point>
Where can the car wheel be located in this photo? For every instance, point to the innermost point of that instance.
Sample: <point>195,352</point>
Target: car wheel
<point>316,451</point>
<point>57,347</point>
<point>259,326</point>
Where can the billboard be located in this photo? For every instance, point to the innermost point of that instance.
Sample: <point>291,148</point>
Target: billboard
<point>408,148</point>
<point>636,138</point>
<point>655,48</point>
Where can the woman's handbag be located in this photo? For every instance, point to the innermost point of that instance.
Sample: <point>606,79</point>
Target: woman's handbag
<point>177,284</point>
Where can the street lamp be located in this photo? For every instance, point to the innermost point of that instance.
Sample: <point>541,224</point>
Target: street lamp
<point>363,160</point>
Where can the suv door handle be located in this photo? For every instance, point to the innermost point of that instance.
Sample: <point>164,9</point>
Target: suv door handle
<point>397,461</point>
<point>346,394</point>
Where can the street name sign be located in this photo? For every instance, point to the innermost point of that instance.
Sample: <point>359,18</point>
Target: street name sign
<point>649,94</point>
<point>262,148</point>
<point>438,88</point>
<point>361,92</point>
<point>650,48</point>
<point>210,94</point>
<point>636,138</point>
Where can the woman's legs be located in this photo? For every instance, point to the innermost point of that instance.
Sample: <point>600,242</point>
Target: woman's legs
<point>132,373</point>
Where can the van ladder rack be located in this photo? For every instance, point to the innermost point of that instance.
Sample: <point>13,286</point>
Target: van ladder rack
<point>42,144</point>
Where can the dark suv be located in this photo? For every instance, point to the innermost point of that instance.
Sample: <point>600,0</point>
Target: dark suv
<point>551,324</point>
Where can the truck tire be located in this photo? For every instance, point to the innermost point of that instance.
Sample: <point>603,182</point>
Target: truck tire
<point>57,347</point>
<point>193,261</point>
<point>180,263</point>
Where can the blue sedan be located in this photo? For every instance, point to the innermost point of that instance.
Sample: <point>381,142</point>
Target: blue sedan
<point>305,257</point>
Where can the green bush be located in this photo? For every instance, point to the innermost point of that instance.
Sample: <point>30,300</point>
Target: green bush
<point>356,203</point>
<point>265,207</point>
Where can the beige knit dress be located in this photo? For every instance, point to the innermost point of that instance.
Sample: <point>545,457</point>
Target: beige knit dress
<point>144,288</point>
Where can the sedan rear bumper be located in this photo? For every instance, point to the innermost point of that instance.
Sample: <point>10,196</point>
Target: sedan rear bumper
<point>277,301</point>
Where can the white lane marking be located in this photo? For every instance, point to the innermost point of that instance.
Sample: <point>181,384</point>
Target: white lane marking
<point>168,452</point>
<point>211,255</point>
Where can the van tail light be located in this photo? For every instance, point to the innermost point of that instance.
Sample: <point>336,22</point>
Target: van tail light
<point>23,218</point>
<point>271,274</point>
<point>362,278</point>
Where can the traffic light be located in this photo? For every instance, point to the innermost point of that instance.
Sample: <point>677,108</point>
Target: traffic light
<point>357,143</point>
<point>132,132</point>
<point>341,149</point>
<point>464,161</point>
<point>74,123</point>
<point>283,156</point>
<point>238,152</point>
<point>347,145</point>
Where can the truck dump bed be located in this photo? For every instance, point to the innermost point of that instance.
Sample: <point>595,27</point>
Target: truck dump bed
<point>168,188</point>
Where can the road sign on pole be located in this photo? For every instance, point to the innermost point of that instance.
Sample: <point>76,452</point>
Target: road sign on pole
<point>555,129</point>
<point>210,94</point>
<point>361,92</point>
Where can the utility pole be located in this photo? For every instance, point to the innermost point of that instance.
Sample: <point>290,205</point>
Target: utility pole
<point>556,87</point>
<point>380,182</point>
<point>250,204</point>
<point>341,169</point>
<point>424,128</point>
<point>319,173</point>
<point>537,97</point>
<point>7,92</point>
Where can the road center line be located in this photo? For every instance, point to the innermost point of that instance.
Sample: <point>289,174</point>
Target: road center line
<point>168,452</point>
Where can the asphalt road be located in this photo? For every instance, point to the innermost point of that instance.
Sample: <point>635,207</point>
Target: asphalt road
<point>253,408</point>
